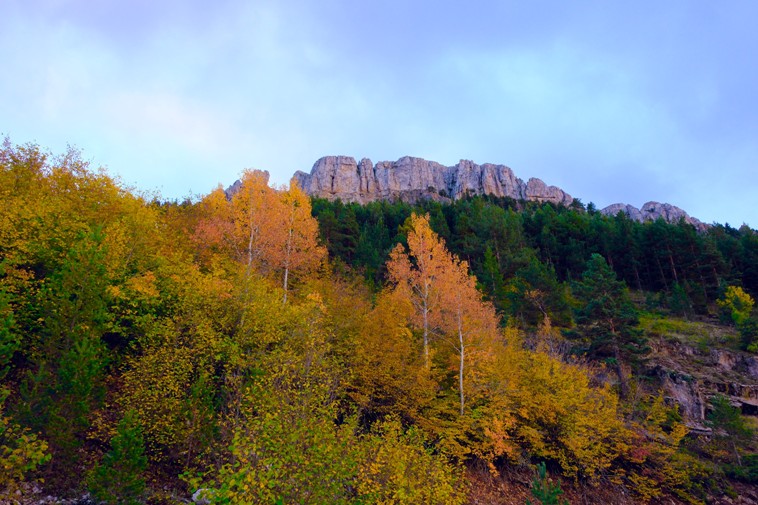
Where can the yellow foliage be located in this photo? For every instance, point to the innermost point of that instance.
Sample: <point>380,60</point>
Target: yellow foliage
<point>156,387</point>
<point>388,373</point>
<point>398,469</point>
<point>655,462</point>
<point>738,303</point>
<point>549,409</point>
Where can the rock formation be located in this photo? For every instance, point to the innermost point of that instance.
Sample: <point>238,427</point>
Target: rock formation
<point>412,179</point>
<point>692,375</point>
<point>652,211</point>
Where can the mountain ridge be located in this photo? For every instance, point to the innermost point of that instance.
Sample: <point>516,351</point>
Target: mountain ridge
<point>412,179</point>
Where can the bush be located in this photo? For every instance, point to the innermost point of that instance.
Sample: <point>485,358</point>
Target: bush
<point>398,468</point>
<point>748,472</point>
<point>544,490</point>
<point>118,478</point>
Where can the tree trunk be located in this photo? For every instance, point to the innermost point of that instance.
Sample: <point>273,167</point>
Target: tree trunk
<point>623,386</point>
<point>637,276</point>
<point>248,270</point>
<point>426,326</point>
<point>673,267</point>
<point>460,369</point>
<point>736,453</point>
<point>287,252</point>
<point>660,269</point>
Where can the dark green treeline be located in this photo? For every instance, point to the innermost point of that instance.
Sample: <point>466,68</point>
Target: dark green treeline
<point>517,248</point>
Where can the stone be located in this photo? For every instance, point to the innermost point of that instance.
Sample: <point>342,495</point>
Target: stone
<point>652,211</point>
<point>203,496</point>
<point>412,179</point>
<point>631,211</point>
<point>538,191</point>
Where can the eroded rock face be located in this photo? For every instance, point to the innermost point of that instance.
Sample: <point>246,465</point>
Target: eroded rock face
<point>652,211</point>
<point>691,376</point>
<point>631,211</point>
<point>411,179</point>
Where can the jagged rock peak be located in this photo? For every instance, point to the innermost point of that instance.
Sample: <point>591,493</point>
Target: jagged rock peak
<point>652,211</point>
<point>412,179</point>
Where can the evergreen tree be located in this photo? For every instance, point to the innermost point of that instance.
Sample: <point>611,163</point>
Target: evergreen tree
<point>608,318</point>
<point>66,382</point>
<point>544,490</point>
<point>118,479</point>
<point>728,425</point>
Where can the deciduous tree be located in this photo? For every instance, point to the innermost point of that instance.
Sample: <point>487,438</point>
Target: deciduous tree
<point>419,274</point>
<point>297,244</point>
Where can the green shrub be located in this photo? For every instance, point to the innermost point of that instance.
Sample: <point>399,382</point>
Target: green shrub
<point>748,472</point>
<point>544,490</point>
<point>118,479</point>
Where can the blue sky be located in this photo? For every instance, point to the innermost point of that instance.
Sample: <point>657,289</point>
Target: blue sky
<point>611,101</point>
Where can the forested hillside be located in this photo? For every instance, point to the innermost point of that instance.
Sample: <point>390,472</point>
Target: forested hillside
<point>265,348</point>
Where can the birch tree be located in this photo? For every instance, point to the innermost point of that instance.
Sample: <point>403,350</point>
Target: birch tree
<point>297,247</point>
<point>469,320</point>
<point>418,274</point>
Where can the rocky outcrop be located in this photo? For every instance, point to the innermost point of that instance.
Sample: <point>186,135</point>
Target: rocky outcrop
<point>412,179</point>
<point>692,375</point>
<point>631,211</point>
<point>652,211</point>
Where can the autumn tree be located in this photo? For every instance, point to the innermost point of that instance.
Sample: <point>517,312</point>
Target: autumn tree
<point>297,244</point>
<point>467,318</point>
<point>736,304</point>
<point>388,375</point>
<point>418,274</point>
<point>268,231</point>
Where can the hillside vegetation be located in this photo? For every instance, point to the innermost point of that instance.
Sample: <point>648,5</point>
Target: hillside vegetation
<point>265,348</point>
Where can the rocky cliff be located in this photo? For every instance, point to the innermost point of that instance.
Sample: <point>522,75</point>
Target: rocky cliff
<point>411,179</point>
<point>652,211</point>
<point>692,374</point>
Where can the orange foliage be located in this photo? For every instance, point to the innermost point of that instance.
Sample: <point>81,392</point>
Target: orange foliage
<point>268,231</point>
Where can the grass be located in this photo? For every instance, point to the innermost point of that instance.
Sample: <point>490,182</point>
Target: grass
<point>656,325</point>
<point>699,334</point>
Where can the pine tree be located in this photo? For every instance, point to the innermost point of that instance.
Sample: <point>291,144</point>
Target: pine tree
<point>118,478</point>
<point>544,490</point>
<point>608,318</point>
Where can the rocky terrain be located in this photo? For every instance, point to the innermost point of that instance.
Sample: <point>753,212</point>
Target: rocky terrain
<point>652,211</point>
<point>412,179</point>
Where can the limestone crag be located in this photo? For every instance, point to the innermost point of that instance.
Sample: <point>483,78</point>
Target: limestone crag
<point>692,375</point>
<point>631,211</point>
<point>412,179</point>
<point>652,211</point>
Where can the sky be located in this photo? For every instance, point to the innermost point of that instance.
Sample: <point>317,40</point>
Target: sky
<point>611,101</point>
